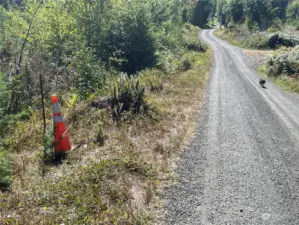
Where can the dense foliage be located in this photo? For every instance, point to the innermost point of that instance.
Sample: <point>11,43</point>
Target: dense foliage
<point>129,76</point>
<point>264,40</point>
<point>202,12</point>
<point>258,14</point>
<point>82,44</point>
<point>84,47</point>
<point>286,63</point>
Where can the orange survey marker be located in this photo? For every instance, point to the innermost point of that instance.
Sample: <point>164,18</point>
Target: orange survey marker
<point>62,140</point>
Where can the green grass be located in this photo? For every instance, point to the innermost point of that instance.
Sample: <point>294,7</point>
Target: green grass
<point>285,82</point>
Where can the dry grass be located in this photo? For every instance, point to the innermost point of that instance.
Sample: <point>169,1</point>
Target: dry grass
<point>258,53</point>
<point>116,181</point>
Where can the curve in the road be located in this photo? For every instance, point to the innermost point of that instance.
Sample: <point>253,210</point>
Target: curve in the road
<point>243,165</point>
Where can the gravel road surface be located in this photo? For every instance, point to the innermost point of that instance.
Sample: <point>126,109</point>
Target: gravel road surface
<point>242,166</point>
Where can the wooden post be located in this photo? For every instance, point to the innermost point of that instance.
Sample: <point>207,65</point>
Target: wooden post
<point>41,83</point>
<point>43,102</point>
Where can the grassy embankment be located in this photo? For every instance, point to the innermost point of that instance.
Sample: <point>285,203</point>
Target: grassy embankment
<point>117,173</point>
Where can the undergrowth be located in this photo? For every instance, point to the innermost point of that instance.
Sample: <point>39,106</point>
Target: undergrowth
<point>119,164</point>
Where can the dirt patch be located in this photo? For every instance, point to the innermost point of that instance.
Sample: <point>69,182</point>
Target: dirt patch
<point>258,57</point>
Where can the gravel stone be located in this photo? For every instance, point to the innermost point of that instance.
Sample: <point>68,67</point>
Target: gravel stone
<point>245,153</point>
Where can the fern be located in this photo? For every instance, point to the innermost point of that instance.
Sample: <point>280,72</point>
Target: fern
<point>127,95</point>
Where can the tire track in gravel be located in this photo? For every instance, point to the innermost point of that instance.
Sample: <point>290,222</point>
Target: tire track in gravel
<point>242,166</point>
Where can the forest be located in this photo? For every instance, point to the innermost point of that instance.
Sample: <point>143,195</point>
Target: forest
<point>130,77</point>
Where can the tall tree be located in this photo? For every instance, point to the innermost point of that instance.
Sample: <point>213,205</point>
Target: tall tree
<point>278,8</point>
<point>236,10</point>
<point>258,13</point>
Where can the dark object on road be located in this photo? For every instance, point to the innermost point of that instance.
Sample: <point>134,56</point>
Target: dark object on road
<point>262,82</point>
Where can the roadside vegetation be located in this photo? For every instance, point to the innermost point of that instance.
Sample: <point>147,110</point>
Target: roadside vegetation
<point>282,68</point>
<point>241,36</point>
<point>129,76</point>
<point>266,25</point>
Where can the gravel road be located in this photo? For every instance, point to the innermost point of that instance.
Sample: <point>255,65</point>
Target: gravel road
<point>242,166</point>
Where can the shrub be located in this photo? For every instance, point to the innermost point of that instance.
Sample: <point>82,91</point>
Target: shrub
<point>286,63</point>
<point>8,121</point>
<point>258,40</point>
<point>169,62</point>
<point>89,75</point>
<point>152,79</point>
<point>280,39</point>
<point>191,40</point>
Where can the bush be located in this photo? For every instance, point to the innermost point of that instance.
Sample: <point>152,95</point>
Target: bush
<point>286,63</point>
<point>263,40</point>
<point>89,74</point>
<point>257,40</point>
<point>279,39</point>
<point>169,62</point>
